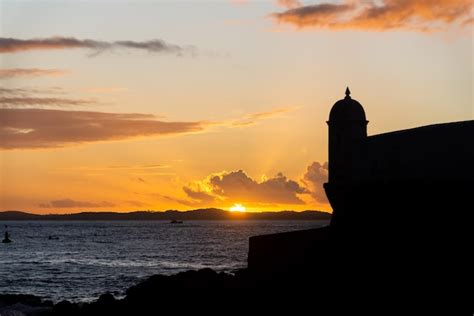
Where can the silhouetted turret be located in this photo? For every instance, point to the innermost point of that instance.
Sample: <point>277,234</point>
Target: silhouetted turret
<point>347,151</point>
<point>347,135</point>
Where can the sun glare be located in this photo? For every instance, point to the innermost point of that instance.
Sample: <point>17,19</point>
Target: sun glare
<point>237,208</point>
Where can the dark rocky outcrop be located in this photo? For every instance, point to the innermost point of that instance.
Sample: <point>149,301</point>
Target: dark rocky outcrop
<point>22,304</point>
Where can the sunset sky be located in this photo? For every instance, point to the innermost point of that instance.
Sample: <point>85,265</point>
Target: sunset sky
<point>137,105</point>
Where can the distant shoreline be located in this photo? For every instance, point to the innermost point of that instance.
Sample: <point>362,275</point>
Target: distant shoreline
<point>170,215</point>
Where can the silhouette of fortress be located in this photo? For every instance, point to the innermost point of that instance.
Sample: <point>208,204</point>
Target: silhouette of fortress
<point>424,169</point>
<point>402,198</point>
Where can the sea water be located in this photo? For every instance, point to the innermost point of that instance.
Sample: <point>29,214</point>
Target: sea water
<point>79,260</point>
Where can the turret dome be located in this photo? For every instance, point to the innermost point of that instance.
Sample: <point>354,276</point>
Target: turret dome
<point>347,109</point>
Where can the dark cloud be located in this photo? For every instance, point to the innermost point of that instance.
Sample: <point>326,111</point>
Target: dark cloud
<point>69,203</point>
<point>417,15</point>
<point>237,186</point>
<point>31,72</point>
<point>155,46</point>
<point>314,178</point>
<point>14,45</point>
<point>200,196</point>
<point>45,128</point>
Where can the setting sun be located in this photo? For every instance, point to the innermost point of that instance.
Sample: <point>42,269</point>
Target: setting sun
<point>237,208</point>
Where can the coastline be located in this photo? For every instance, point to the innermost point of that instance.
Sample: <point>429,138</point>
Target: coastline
<point>138,297</point>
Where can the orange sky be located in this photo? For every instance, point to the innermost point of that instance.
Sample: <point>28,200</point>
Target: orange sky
<point>211,104</point>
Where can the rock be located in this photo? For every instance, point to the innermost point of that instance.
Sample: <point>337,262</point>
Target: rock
<point>10,299</point>
<point>19,309</point>
<point>65,308</point>
<point>106,299</point>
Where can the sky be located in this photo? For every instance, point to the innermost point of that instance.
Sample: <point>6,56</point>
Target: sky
<point>156,105</point>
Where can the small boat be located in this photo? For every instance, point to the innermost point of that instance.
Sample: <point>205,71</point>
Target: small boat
<point>176,222</point>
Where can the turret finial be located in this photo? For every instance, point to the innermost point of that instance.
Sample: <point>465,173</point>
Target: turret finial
<point>348,93</point>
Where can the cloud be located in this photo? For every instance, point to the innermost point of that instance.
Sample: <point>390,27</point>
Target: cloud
<point>226,188</point>
<point>289,4</point>
<point>314,178</point>
<point>190,203</point>
<point>19,102</point>
<point>14,45</point>
<point>27,97</point>
<point>251,119</point>
<point>136,167</point>
<point>68,203</point>
<point>45,128</point>
<point>198,195</point>
<point>468,21</point>
<point>106,90</point>
<point>26,92</point>
<point>201,196</point>
<point>28,128</point>
<point>383,15</point>
<point>31,72</point>
<point>238,187</point>
<point>136,203</point>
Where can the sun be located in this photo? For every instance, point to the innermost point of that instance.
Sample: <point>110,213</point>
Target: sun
<point>237,208</point>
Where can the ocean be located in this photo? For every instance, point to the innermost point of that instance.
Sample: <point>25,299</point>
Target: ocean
<point>79,260</point>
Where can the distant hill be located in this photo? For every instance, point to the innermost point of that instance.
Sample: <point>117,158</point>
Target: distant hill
<point>199,214</point>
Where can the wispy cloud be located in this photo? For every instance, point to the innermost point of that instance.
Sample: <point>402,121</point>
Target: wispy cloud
<point>46,128</point>
<point>32,97</point>
<point>253,118</point>
<point>19,102</point>
<point>106,90</point>
<point>25,92</point>
<point>69,203</point>
<point>31,72</point>
<point>136,203</point>
<point>15,45</point>
<point>139,167</point>
<point>126,168</point>
<point>289,4</point>
<point>384,15</point>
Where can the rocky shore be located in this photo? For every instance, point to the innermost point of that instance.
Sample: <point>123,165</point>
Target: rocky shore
<point>160,293</point>
<point>139,297</point>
